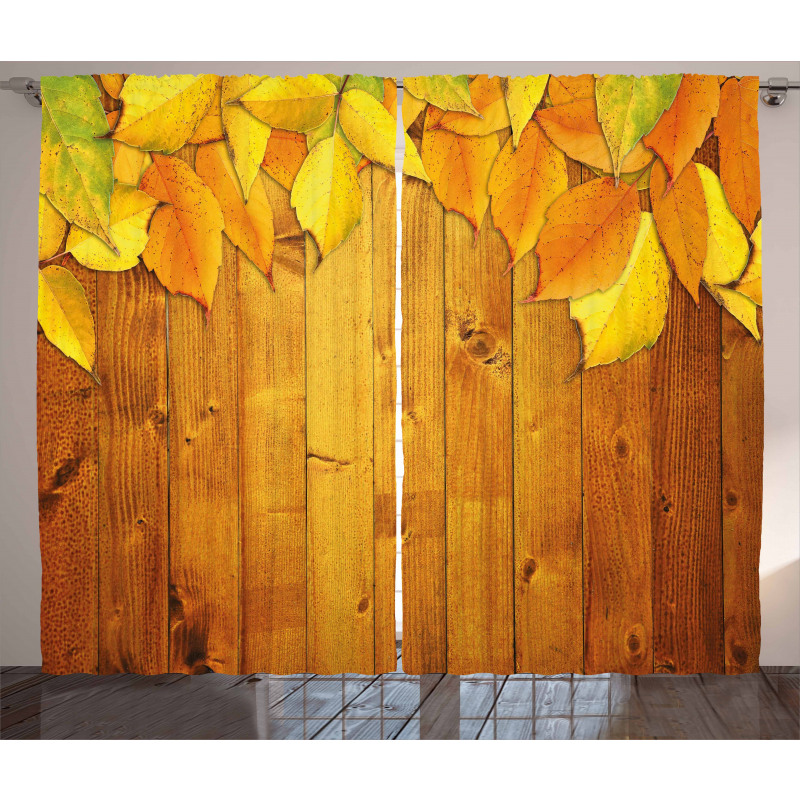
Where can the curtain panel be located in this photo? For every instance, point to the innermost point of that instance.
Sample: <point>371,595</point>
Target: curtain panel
<point>582,374</point>
<point>216,374</point>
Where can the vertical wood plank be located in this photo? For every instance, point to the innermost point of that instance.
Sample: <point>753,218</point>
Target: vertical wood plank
<point>272,450</point>
<point>617,539</point>
<point>742,480</point>
<point>384,232</point>
<point>339,458</point>
<point>66,440</point>
<point>547,479</point>
<point>422,360</point>
<point>204,486</point>
<point>479,449</point>
<point>133,476</point>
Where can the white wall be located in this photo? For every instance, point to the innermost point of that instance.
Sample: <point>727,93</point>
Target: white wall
<point>20,574</point>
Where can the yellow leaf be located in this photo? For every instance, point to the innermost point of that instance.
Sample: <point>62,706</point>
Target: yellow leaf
<point>523,184</point>
<point>130,163</point>
<point>369,126</point>
<point>112,83</point>
<point>726,253</point>
<point>162,113</point>
<point>750,281</point>
<point>490,101</point>
<point>285,154</point>
<point>52,227</point>
<point>294,104</point>
<point>185,245</point>
<point>248,225</point>
<point>77,162</point>
<point>459,168</point>
<point>412,108</point>
<point>629,315</point>
<point>65,316</point>
<point>327,194</point>
<point>412,163</point>
<point>131,212</point>
<point>448,92</point>
<point>210,127</point>
<point>246,136</point>
<point>522,97</point>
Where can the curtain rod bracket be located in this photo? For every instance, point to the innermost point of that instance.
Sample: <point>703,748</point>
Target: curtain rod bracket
<point>775,91</point>
<point>27,87</point>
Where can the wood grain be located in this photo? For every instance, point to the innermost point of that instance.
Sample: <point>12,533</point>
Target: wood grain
<point>272,448</point>
<point>423,513</point>
<point>204,485</point>
<point>66,442</point>
<point>339,386</point>
<point>479,449</point>
<point>547,479</point>
<point>133,472</point>
<point>384,256</point>
<point>742,479</point>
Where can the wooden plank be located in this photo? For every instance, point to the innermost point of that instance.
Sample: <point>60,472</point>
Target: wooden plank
<point>422,359</point>
<point>687,482</point>
<point>547,479</point>
<point>66,444</point>
<point>204,508</point>
<point>272,450</point>
<point>479,449</point>
<point>133,472</point>
<point>339,387</point>
<point>384,256</point>
<point>617,540</point>
<point>742,479</point>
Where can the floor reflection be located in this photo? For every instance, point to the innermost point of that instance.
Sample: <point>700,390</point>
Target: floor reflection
<point>400,706</point>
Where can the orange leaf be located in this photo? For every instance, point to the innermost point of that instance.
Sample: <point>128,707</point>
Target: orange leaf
<point>736,128</point>
<point>248,225</point>
<point>286,151</point>
<point>185,245</point>
<point>489,99</point>
<point>390,96</point>
<point>682,128</point>
<point>682,222</point>
<point>586,241</point>
<point>571,124</point>
<point>459,167</point>
<point>523,183</point>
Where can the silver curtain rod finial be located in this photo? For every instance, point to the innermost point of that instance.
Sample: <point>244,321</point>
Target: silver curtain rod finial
<point>24,86</point>
<point>775,91</point>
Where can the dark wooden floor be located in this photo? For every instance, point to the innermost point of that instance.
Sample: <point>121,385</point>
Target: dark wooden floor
<point>400,706</point>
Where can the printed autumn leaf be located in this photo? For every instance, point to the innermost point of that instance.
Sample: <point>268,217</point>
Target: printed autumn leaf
<point>131,212</point>
<point>210,127</point>
<point>523,184</point>
<point>489,100</point>
<point>586,241</point>
<point>185,245</point>
<point>52,229</point>
<point>367,83</point>
<point>295,104</point>
<point>76,167</point>
<point>682,220</point>
<point>285,153</point>
<point>130,163</point>
<point>448,92</point>
<point>629,107</point>
<point>571,124</point>
<point>65,316</point>
<point>412,162</point>
<point>683,126</point>
<point>113,83</point>
<point>412,107</point>
<point>726,253</point>
<point>369,126</point>
<point>325,131</point>
<point>246,136</point>
<point>736,128</point>
<point>390,96</point>
<point>248,225</point>
<point>459,168</point>
<point>161,114</point>
<point>749,282</point>
<point>327,194</point>
<point>522,97</point>
<point>630,314</point>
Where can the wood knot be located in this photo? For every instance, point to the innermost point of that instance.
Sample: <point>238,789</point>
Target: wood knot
<point>739,654</point>
<point>731,499</point>
<point>667,666</point>
<point>621,447</point>
<point>527,569</point>
<point>363,604</point>
<point>175,604</point>
<point>634,643</point>
<point>157,417</point>
<point>66,472</point>
<point>481,345</point>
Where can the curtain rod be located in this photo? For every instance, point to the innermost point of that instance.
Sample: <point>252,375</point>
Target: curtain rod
<point>774,94</point>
